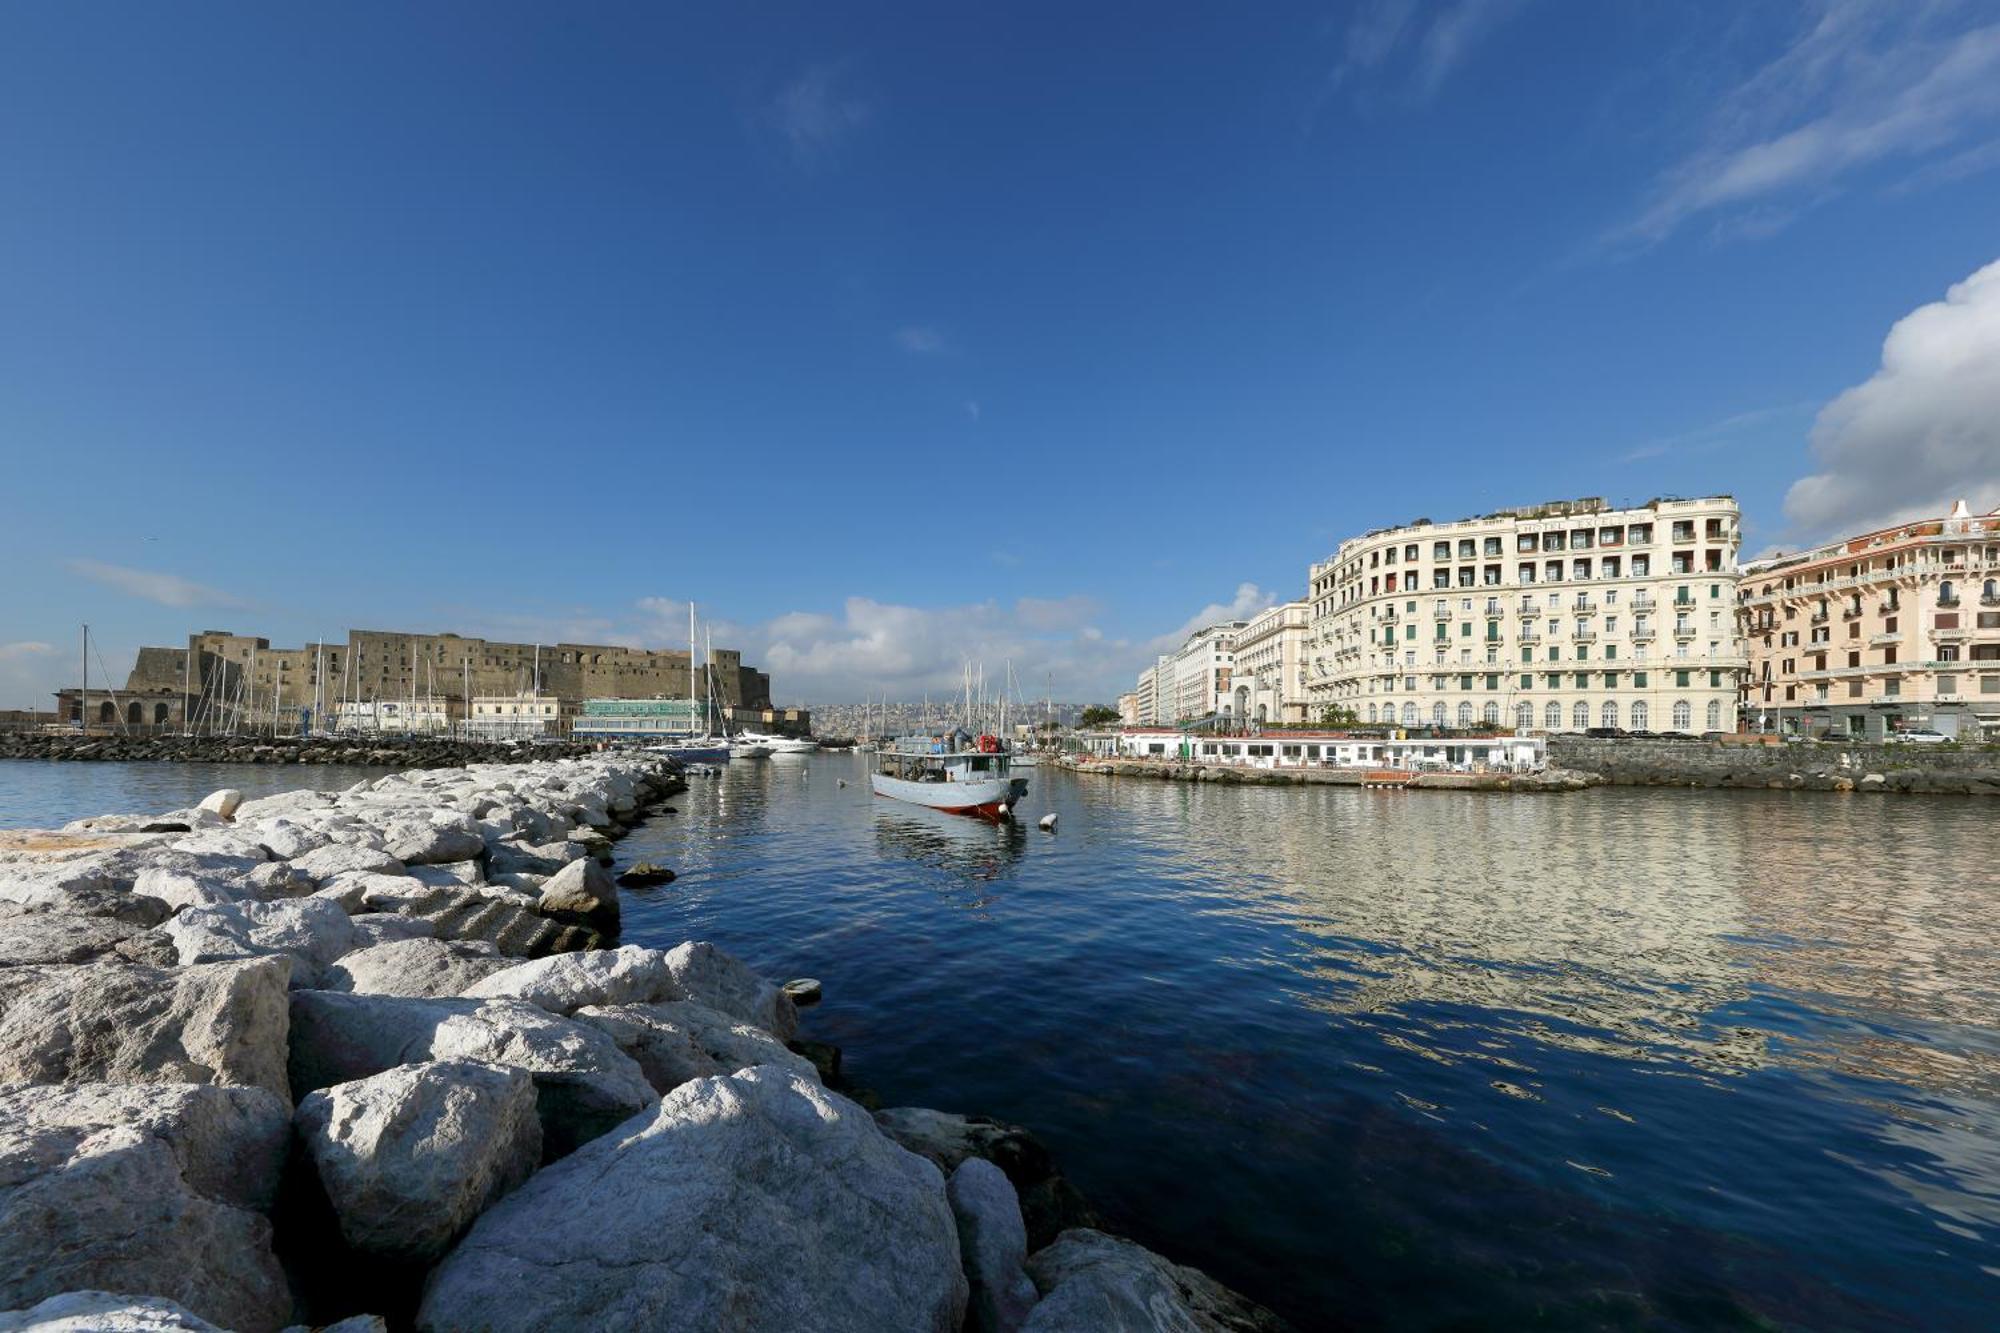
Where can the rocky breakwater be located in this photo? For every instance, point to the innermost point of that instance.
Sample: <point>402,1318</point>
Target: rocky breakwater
<point>381,751</point>
<point>1906,769</point>
<point>367,1059</point>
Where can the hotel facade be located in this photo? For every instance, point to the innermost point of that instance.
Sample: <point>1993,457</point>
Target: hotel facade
<point>1556,618</point>
<point>1889,631</point>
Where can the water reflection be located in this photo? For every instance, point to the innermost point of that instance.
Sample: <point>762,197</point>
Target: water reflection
<point>1624,1058</point>
<point>954,844</point>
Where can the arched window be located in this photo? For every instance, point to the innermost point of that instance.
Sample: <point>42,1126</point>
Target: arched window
<point>1715,715</point>
<point>1947,592</point>
<point>107,712</point>
<point>1437,715</point>
<point>1639,716</point>
<point>1552,717</point>
<point>1683,714</point>
<point>1524,717</point>
<point>1492,715</point>
<point>1371,712</point>
<point>1608,714</point>
<point>1409,715</point>
<point>1465,715</point>
<point>160,712</point>
<point>135,713</point>
<point>1579,717</point>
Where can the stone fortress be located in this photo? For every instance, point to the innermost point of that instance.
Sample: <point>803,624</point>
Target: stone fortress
<point>243,674</point>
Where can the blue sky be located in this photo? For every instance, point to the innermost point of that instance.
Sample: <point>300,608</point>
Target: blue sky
<point>895,334</point>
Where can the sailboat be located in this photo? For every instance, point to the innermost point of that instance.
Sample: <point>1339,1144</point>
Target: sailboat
<point>693,749</point>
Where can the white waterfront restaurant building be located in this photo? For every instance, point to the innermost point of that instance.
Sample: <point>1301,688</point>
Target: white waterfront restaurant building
<point>1321,749</point>
<point>1556,618</point>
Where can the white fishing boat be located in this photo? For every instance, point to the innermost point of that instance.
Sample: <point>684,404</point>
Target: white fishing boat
<point>741,747</point>
<point>780,744</point>
<point>960,774</point>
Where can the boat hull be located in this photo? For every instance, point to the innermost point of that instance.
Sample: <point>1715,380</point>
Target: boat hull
<point>988,798</point>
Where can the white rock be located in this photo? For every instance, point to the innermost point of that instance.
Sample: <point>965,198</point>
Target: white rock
<point>222,842</point>
<point>755,1202</point>
<point>312,931</point>
<point>708,975</point>
<point>225,802</point>
<point>55,937</point>
<point>992,1244</point>
<point>565,982</point>
<point>450,872</point>
<point>678,1041</point>
<point>420,967</point>
<point>285,839</point>
<point>584,1084</point>
<point>221,1023</point>
<point>105,1312</point>
<point>323,863</point>
<point>153,1189</point>
<point>373,928</point>
<point>410,1156</point>
<point>1090,1281</point>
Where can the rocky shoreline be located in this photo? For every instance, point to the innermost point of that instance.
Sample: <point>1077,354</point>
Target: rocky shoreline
<point>370,1059</point>
<point>378,751</point>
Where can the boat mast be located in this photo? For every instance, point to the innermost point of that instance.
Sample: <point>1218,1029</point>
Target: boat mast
<point>690,668</point>
<point>83,698</point>
<point>186,658</point>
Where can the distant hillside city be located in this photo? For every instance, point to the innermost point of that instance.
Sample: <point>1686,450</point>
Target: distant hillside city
<point>908,719</point>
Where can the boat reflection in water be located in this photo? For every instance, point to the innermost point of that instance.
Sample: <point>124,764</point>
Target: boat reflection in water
<point>946,843</point>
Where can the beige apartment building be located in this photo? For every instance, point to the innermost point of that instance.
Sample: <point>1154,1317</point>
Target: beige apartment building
<point>1560,617</point>
<point>1268,679</point>
<point>1889,631</point>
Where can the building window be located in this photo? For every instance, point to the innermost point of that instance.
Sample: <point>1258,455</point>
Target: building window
<point>1579,717</point>
<point>1492,711</point>
<point>1683,715</point>
<point>1552,716</point>
<point>1409,715</point>
<point>1715,715</point>
<point>1639,715</point>
<point>1465,716</point>
<point>1524,717</point>
<point>1607,716</point>
<point>1371,713</point>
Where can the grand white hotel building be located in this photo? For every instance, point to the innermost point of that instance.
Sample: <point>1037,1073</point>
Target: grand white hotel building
<point>1555,618</point>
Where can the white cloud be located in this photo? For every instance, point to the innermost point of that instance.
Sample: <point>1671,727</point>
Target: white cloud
<point>1867,83</point>
<point>21,652</point>
<point>1248,601</point>
<point>921,339</point>
<point>815,115</point>
<point>1384,30</point>
<point>1924,430</point>
<point>166,589</point>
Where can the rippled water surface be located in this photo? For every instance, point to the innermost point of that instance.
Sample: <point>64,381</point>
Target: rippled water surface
<point>35,793</point>
<point>1621,1058</point>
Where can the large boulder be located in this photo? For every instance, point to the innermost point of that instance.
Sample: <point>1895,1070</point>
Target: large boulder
<point>992,1245</point>
<point>323,863</point>
<point>1050,1204</point>
<point>223,803</point>
<point>565,982</point>
<point>218,1023</point>
<point>708,975</point>
<point>416,967</point>
<point>582,891</point>
<point>410,1156</point>
<point>284,839</point>
<point>157,1189</point>
<point>313,932</point>
<point>462,911</point>
<point>419,844</point>
<point>1090,1282</point>
<point>79,889</point>
<point>757,1201</point>
<point>584,1085</point>
<point>57,937</point>
<point>104,1312</point>
<point>677,1041</point>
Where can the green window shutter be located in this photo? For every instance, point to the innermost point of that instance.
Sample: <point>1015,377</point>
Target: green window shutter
<point>1465,682</point>
<point>1444,630</point>
<point>1527,654</point>
<point>1715,679</point>
<point>1639,680</point>
<point>1555,653</point>
<point>1680,678</point>
<point>1527,682</point>
<point>1492,630</point>
<point>1611,652</point>
<point>1583,652</point>
<point>1492,681</point>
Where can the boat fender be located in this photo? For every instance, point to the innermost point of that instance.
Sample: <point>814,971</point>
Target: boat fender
<point>1047,823</point>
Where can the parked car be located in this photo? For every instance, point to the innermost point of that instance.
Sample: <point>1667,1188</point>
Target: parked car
<point>1675,736</point>
<point>1919,737</point>
<point>1713,735</point>
<point>1604,733</point>
<point>1642,735</point>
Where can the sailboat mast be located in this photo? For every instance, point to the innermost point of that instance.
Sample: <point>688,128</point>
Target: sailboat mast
<point>83,698</point>
<point>690,668</point>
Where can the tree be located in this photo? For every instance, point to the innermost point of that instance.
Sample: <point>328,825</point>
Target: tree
<point>1336,716</point>
<point>1097,715</point>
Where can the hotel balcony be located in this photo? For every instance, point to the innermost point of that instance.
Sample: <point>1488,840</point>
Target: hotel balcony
<point>1642,633</point>
<point>1583,606</point>
<point>1441,613</point>
<point>1582,635</point>
<point>1529,612</point>
<point>1820,617</point>
<point>1881,640</point>
<point>1529,636</point>
<point>1685,631</point>
<point>1643,602</point>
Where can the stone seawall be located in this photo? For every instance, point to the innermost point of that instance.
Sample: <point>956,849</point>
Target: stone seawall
<point>328,1057</point>
<point>1914,769</point>
<point>381,751</point>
